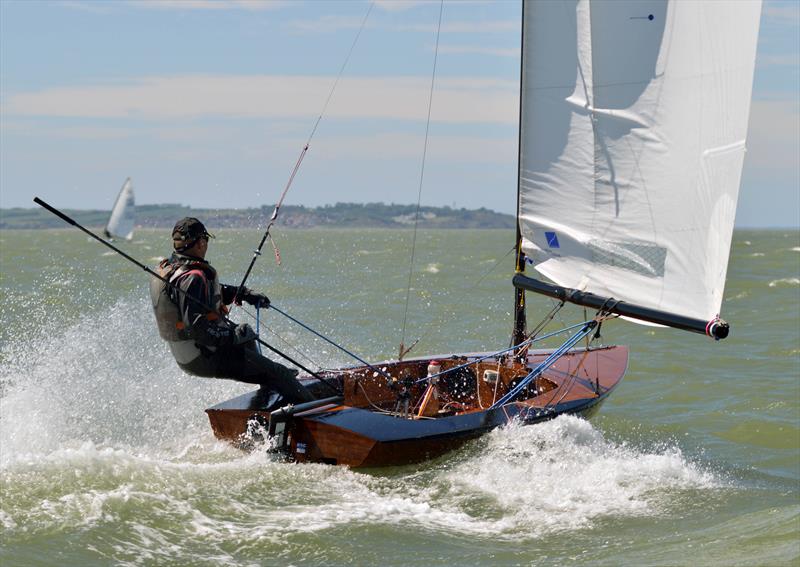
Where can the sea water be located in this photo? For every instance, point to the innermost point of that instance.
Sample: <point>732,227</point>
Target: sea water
<point>106,455</point>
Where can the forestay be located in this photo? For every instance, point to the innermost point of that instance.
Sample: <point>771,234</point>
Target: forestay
<point>120,223</point>
<point>633,124</point>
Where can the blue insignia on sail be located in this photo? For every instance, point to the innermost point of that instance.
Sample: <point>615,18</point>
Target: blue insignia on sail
<point>552,239</point>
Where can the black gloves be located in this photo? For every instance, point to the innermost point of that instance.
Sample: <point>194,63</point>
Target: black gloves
<point>255,299</point>
<point>243,333</point>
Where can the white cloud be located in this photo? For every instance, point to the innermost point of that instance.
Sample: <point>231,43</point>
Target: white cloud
<point>91,7</point>
<point>327,24</point>
<point>498,26</point>
<point>774,135</point>
<point>785,60</point>
<point>396,146</point>
<point>399,5</point>
<point>480,50</point>
<point>252,5</point>
<point>783,12</point>
<point>457,100</point>
<point>23,128</point>
<point>402,5</point>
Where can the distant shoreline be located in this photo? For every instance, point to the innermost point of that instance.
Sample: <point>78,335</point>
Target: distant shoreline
<point>340,215</point>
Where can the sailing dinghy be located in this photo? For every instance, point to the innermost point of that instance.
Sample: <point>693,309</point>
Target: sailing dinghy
<point>632,135</point>
<point>123,214</point>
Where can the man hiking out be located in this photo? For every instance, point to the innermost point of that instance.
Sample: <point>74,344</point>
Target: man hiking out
<point>202,341</point>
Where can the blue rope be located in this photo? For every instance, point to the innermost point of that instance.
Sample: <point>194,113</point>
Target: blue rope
<point>547,363</point>
<point>587,327</point>
<point>499,352</point>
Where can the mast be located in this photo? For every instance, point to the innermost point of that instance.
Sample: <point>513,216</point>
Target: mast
<point>520,322</point>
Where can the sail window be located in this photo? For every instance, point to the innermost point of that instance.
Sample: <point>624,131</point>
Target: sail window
<point>643,258</point>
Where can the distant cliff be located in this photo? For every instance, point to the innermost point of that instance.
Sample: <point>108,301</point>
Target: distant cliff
<point>340,215</point>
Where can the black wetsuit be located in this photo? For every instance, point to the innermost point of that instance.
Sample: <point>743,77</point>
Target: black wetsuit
<point>209,347</point>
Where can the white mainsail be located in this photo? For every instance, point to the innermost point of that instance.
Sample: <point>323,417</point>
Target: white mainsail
<point>633,125</point>
<point>120,223</point>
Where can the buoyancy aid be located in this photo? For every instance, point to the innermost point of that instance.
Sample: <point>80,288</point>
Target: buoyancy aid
<point>165,298</point>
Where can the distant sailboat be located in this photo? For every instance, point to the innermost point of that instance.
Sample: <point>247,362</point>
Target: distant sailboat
<point>120,223</point>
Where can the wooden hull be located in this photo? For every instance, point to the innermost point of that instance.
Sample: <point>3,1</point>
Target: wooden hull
<point>367,428</point>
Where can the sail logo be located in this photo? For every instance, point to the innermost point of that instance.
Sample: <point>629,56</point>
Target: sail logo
<point>552,239</point>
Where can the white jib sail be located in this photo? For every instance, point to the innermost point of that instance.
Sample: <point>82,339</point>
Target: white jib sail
<point>120,223</point>
<point>633,125</point>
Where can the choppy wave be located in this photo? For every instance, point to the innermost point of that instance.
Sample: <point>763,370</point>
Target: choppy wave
<point>101,433</point>
<point>106,455</point>
<point>580,477</point>
<point>784,282</point>
<point>107,380</point>
<point>213,495</point>
<point>740,295</point>
<point>433,268</point>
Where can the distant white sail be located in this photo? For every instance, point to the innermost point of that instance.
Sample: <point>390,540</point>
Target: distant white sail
<point>123,215</point>
<point>634,119</point>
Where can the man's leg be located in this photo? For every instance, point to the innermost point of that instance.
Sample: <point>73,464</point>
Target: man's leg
<point>243,363</point>
<point>273,376</point>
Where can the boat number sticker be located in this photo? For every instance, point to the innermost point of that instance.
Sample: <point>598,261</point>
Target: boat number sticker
<point>301,448</point>
<point>552,239</point>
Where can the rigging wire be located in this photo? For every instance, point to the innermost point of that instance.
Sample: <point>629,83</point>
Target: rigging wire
<point>543,366</point>
<point>553,314</point>
<point>421,178</point>
<point>341,71</point>
<point>483,357</point>
<point>445,313</point>
<point>324,338</point>
<point>542,324</point>
<point>284,341</point>
<point>331,342</point>
<point>573,375</point>
<point>274,217</point>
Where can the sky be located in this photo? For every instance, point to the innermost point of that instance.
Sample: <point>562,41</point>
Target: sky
<point>209,103</point>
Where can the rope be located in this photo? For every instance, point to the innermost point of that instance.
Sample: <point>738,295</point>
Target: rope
<point>527,342</point>
<point>341,71</point>
<point>274,217</point>
<point>444,313</point>
<point>288,343</point>
<point>546,319</point>
<point>329,341</point>
<point>567,385</point>
<point>547,363</point>
<point>499,352</point>
<point>421,177</point>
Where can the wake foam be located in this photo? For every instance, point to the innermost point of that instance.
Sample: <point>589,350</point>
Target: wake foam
<point>99,426</point>
<point>564,475</point>
<point>784,282</point>
<point>108,380</point>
